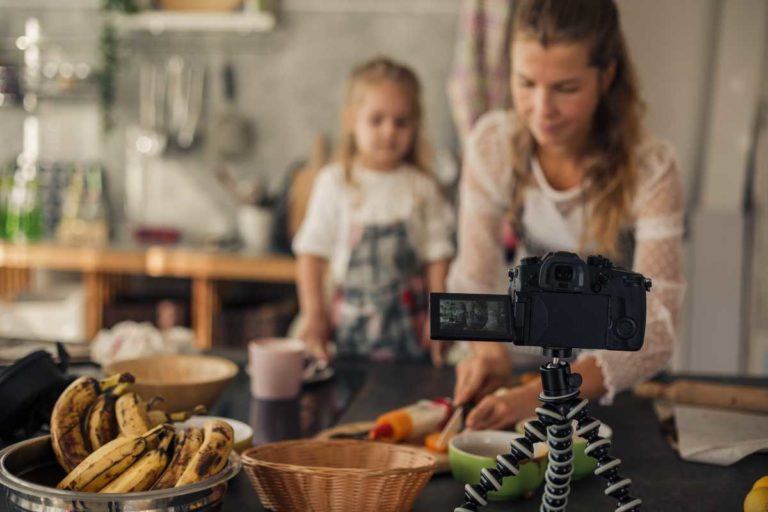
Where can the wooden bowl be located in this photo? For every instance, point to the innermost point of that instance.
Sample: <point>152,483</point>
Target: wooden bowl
<point>184,381</point>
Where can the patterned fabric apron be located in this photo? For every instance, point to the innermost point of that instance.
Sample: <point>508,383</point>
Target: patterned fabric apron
<point>380,307</point>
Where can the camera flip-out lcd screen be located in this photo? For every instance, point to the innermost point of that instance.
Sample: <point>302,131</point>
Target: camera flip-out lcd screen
<point>555,302</point>
<point>470,316</point>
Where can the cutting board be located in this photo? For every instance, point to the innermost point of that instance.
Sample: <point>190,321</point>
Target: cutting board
<point>443,466</point>
<point>301,185</point>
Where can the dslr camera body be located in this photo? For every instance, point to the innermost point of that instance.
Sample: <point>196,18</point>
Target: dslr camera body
<point>558,302</point>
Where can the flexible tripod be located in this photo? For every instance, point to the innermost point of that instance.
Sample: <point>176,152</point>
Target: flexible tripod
<point>562,405</point>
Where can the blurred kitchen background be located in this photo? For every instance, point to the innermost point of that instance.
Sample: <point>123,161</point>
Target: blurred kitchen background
<point>189,131</point>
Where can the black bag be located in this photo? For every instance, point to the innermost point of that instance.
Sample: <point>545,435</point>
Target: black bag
<point>28,391</point>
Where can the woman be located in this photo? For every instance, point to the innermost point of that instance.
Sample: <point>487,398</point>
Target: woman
<point>571,169</point>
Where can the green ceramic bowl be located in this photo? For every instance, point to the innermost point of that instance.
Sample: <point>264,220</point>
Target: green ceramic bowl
<point>470,452</point>
<point>583,465</point>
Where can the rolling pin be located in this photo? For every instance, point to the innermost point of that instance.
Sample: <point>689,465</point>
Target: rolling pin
<point>722,396</point>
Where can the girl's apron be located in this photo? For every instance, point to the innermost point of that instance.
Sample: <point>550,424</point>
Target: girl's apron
<point>380,307</point>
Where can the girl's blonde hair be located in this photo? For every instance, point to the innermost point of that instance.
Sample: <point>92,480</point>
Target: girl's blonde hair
<point>372,72</point>
<point>610,175</point>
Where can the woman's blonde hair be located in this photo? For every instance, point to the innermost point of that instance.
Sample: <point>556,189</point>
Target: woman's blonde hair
<point>372,72</point>
<point>616,128</point>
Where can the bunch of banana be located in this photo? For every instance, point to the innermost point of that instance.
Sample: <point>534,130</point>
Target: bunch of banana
<point>212,456</point>
<point>141,475</point>
<point>101,420</point>
<point>67,437</point>
<point>109,461</point>
<point>131,413</point>
<point>158,417</point>
<point>187,443</point>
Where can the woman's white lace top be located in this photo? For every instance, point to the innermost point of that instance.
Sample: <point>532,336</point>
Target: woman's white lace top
<point>555,219</point>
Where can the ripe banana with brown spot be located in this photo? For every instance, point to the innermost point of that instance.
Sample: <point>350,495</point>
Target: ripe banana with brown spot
<point>131,413</point>
<point>141,475</point>
<point>108,462</point>
<point>67,437</point>
<point>218,440</point>
<point>158,417</point>
<point>101,420</point>
<point>188,442</point>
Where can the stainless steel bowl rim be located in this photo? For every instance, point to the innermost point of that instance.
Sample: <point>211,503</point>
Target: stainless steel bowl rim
<point>13,482</point>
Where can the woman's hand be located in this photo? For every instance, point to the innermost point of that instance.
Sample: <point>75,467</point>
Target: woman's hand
<point>482,373</point>
<point>504,408</point>
<point>316,332</point>
<point>507,406</point>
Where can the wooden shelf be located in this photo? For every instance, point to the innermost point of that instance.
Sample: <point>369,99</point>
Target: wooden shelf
<point>52,4</point>
<point>103,268</point>
<point>159,22</point>
<point>159,261</point>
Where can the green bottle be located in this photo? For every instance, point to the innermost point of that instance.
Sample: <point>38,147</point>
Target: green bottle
<point>23,222</point>
<point>6,183</point>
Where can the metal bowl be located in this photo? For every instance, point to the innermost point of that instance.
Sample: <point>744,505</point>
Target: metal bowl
<point>29,473</point>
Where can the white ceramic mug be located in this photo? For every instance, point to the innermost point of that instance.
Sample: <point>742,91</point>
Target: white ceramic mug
<point>255,228</point>
<point>276,366</point>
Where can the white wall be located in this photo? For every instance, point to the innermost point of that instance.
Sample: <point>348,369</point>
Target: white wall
<point>671,44</point>
<point>718,321</point>
<point>701,63</point>
<point>757,361</point>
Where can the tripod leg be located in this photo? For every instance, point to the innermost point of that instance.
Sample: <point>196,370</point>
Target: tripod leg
<point>557,479</point>
<point>508,464</point>
<point>607,466</point>
<point>561,407</point>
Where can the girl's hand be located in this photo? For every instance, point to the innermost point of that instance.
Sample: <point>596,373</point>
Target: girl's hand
<point>437,349</point>
<point>480,374</point>
<point>316,331</point>
<point>504,408</point>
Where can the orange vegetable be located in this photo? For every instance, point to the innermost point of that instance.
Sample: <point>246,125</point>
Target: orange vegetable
<point>431,442</point>
<point>411,422</point>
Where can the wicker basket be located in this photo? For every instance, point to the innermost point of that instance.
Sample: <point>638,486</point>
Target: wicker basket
<point>339,475</point>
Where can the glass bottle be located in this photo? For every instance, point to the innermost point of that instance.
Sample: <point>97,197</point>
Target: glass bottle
<point>23,221</point>
<point>6,184</point>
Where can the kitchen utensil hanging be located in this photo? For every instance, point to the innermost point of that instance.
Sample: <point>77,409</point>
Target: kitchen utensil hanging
<point>232,135</point>
<point>184,103</point>
<point>152,136</point>
<point>188,129</point>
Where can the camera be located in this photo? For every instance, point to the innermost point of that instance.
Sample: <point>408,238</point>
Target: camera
<point>555,302</point>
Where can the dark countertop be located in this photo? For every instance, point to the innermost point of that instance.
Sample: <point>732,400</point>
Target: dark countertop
<point>362,391</point>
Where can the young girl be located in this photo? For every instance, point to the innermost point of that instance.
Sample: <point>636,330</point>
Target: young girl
<point>377,218</point>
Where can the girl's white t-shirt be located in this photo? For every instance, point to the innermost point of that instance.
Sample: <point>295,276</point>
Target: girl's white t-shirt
<point>374,198</point>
